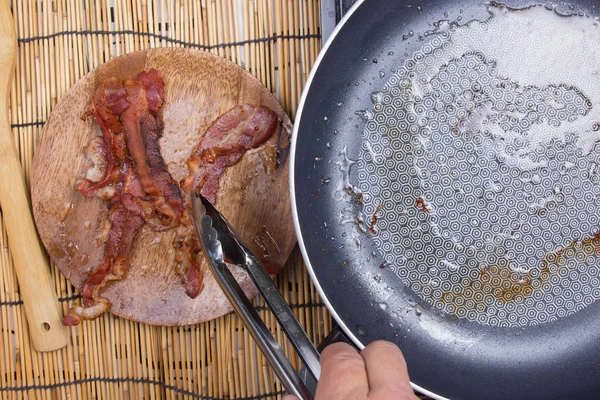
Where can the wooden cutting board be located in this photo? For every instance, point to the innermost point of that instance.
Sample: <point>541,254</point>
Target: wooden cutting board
<point>253,195</point>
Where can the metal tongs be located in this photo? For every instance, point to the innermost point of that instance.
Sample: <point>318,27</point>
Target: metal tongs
<point>218,240</point>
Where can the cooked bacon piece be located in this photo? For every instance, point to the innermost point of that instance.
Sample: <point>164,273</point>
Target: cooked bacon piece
<point>187,247</point>
<point>193,282</point>
<point>108,102</point>
<point>124,227</point>
<point>155,90</point>
<point>240,129</point>
<point>97,153</point>
<point>136,181</point>
<point>143,126</point>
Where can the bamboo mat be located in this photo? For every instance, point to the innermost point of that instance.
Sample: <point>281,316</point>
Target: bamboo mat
<point>112,358</point>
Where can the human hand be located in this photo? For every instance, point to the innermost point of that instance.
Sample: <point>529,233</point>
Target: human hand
<point>378,373</point>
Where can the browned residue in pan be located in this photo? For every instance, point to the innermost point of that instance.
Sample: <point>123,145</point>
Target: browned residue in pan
<point>420,203</point>
<point>511,284</point>
<point>508,286</point>
<point>374,219</point>
<point>359,223</point>
<point>356,195</point>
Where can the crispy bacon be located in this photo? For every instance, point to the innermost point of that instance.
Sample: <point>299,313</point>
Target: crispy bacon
<point>143,128</point>
<point>108,102</point>
<point>240,129</point>
<point>124,228</point>
<point>187,248</point>
<point>155,90</point>
<point>138,185</point>
<point>136,179</point>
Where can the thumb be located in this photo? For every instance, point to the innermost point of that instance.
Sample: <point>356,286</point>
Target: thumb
<point>290,397</point>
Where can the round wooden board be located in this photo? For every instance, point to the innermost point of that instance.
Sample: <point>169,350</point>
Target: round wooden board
<point>253,194</point>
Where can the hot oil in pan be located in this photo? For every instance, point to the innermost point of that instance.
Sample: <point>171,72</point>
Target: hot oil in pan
<point>480,160</point>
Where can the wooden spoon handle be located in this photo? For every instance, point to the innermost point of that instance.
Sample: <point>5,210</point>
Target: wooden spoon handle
<point>39,298</point>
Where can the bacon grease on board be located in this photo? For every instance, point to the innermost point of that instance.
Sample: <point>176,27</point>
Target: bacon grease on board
<point>129,172</point>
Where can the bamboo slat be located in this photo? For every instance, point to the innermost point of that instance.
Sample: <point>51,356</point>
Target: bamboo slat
<point>111,358</point>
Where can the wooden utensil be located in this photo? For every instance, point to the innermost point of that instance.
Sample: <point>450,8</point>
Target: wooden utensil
<point>253,194</point>
<point>41,305</point>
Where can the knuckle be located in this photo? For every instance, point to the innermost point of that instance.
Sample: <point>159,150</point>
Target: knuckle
<point>346,359</point>
<point>339,351</point>
<point>384,346</point>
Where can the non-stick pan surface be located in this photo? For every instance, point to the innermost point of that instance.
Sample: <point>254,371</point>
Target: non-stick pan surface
<point>457,215</point>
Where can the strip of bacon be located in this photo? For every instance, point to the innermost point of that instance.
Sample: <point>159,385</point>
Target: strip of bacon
<point>143,128</point>
<point>124,228</point>
<point>187,247</point>
<point>108,102</point>
<point>240,129</point>
<point>141,189</point>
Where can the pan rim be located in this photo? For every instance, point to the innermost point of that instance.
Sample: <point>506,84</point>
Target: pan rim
<point>295,217</point>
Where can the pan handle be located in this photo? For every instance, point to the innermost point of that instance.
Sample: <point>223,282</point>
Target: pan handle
<point>261,334</point>
<point>335,336</point>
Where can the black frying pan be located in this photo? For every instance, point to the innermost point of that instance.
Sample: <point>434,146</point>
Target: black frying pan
<point>460,342</point>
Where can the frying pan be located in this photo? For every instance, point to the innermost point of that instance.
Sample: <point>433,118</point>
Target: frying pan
<point>476,316</point>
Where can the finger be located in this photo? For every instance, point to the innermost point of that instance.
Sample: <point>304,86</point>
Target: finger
<point>343,374</point>
<point>387,372</point>
<point>290,397</point>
